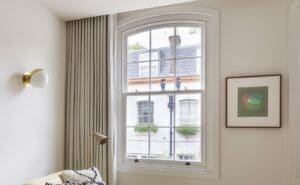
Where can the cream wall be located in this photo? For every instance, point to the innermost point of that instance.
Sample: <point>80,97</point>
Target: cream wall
<point>31,120</point>
<point>294,91</point>
<point>253,40</point>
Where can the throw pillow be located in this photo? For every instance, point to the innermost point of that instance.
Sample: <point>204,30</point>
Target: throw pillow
<point>89,176</point>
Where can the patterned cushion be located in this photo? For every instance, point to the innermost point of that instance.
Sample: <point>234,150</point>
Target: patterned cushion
<point>89,176</point>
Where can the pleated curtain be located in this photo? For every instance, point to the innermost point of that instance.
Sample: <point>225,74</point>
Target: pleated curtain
<point>86,94</point>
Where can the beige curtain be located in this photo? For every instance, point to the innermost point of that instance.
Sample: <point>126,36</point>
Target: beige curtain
<point>86,94</point>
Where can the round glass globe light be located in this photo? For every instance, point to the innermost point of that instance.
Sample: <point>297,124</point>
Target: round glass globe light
<point>39,79</point>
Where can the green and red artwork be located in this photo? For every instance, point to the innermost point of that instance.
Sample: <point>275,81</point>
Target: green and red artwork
<point>253,101</point>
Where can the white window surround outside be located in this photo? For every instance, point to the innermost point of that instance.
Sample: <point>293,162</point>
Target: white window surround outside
<point>210,167</point>
<point>188,109</point>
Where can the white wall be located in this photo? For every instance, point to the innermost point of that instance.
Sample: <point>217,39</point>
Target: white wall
<point>31,120</point>
<point>253,40</point>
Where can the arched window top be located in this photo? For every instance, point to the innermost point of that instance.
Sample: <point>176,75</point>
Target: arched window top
<point>170,55</point>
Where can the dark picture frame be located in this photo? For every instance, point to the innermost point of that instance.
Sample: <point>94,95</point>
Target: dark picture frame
<point>253,101</point>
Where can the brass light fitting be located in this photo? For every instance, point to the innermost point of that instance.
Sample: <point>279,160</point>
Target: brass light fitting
<point>37,78</point>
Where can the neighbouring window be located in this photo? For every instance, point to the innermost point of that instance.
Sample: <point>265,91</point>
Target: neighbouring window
<point>145,112</point>
<point>144,69</point>
<point>164,92</point>
<point>189,111</point>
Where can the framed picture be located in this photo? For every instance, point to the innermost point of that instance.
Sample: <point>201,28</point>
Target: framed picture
<point>253,101</point>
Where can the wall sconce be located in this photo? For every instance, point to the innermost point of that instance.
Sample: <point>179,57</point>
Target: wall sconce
<point>37,78</point>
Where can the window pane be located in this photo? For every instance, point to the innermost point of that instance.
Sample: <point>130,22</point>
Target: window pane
<point>163,75</point>
<point>162,146</point>
<point>163,110</point>
<point>138,77</point>
<point>188,127</point>
<point>138,47</point>
<point>188,110</point>
<point>188,143</point>
<point>164,126</point>
<point>188,74</point>
<point>137,144</point>
<point>189,44</point>
<point>161,42</point>
<point>138,110</point>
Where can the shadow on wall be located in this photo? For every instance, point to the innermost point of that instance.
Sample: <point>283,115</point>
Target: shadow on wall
<point>15,84</point>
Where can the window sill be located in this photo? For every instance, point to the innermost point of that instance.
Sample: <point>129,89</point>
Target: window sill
<point>196,172</point>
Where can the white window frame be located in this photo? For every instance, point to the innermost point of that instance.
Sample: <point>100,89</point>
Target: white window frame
<point>210,167</point>
<point>164,24</point>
